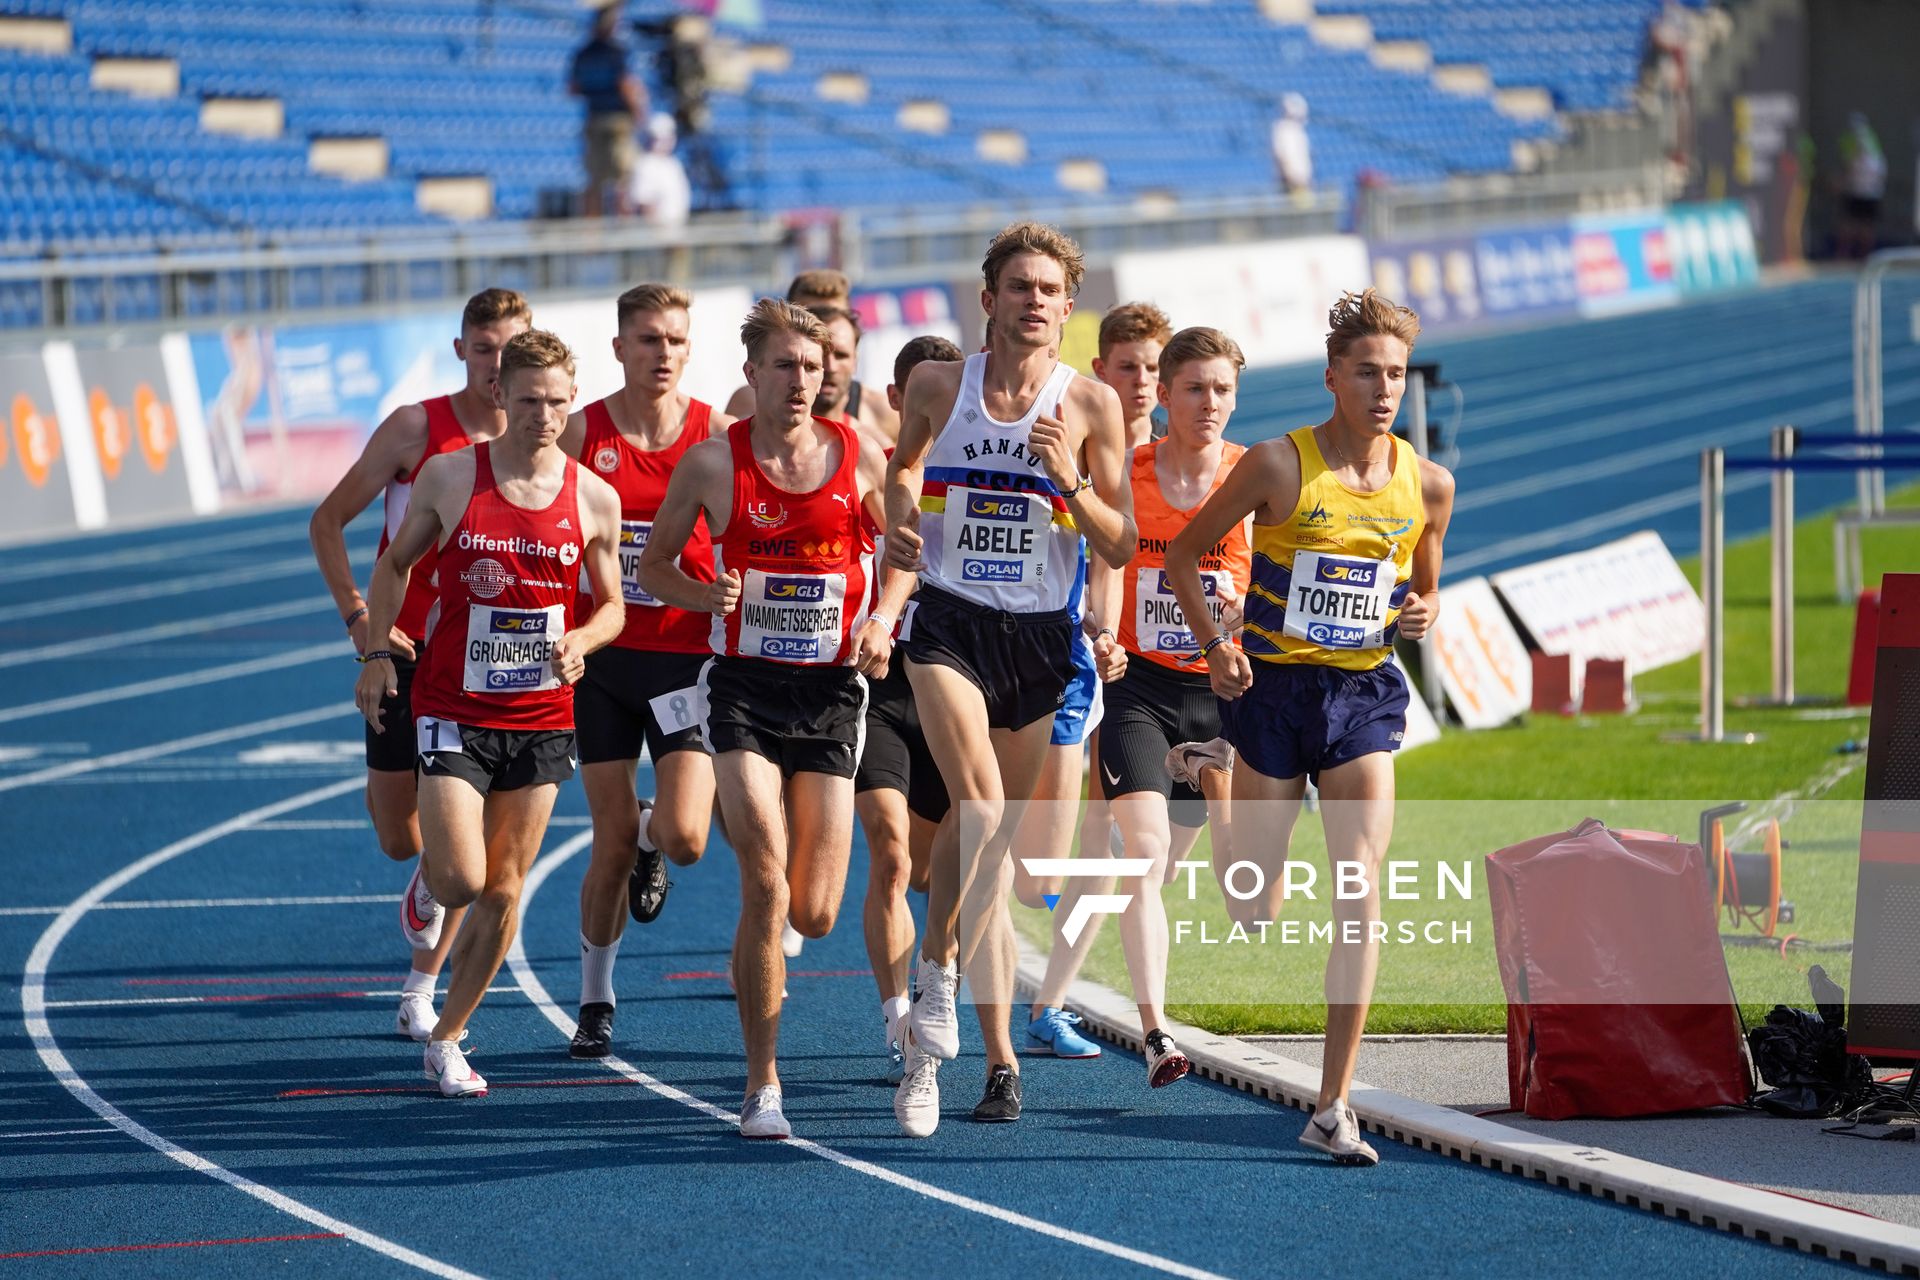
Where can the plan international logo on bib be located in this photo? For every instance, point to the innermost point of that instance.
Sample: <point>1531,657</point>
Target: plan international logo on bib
<point>791,648</point>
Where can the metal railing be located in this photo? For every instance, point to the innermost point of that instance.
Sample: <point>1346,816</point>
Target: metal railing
<point>1469,204</point>
<point>1869,400</point>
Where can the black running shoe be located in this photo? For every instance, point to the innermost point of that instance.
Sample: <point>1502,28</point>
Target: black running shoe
<point>647,886</point>
<point>1001,1105</point>
<point>594,1036</point>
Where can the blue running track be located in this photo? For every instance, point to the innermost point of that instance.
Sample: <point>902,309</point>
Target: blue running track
<point>201,1054</point>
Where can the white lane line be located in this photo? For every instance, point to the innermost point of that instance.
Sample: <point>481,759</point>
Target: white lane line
<point>341,648</point>
<point>196,904</point>
<point>1574,531</point>
<point>57,1133</point>
<point>239,998</point>
<point>150,554</point>
<point>55,773</point>
<point>33,1001</point>
<point>318,824</point>
<point>536,993</point>
<point>87,646</point>
<point>112,596</point>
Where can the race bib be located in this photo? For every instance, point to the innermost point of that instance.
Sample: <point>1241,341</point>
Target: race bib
<point>1158,623</point>
<point>1339,602</point>
<point>511,650</point>
<point>432,734</point>
<point>792,617</point>
<point>994,538</point>
<point>633,540</point>
<point>676,711</point>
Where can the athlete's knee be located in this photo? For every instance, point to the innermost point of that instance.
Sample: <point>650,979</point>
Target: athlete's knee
<point>763,890</point>
<point>977,819</point>
<point>394,831</point>
<point>683,841</point>
<point>811,919</point>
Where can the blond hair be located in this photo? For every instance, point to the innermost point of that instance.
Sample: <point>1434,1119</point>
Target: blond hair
<point>821,285</point>
<point>1034,237</point>
<point>650,297</point>
<point>1199,343</point>
<point>534,349</point>
<point>770,316</point>
<point>1133,322</point>
<point>490,306</point>
<point>1368,315</point>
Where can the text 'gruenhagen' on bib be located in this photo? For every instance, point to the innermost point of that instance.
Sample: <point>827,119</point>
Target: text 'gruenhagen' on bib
<point>1339,602</point>
<point>511,650</point>
<point>791,617</point>
<point>1157,620</point>
<point>995,537</point>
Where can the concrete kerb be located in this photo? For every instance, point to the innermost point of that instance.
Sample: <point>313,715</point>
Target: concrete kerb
<point>1766,1216</point>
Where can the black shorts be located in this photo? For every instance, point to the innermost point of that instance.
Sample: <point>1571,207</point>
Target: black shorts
<point>896,757</point>
<point>612,704</point>
<point>1302,717</point>
<point>1021,662</point>
<point>391,750</point>
<point>1150,710</point>
<point>492,760</point>
<point>806,719</point>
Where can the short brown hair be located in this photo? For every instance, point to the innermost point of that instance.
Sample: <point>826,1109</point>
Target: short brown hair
<point>1199,343</point>
<point>651,297</point>
<point>1367,315</point>
<point>490,306</point>
<point>770,316</point>
<point>1133,322</point>
<point>534,349</point>
<point>1034,237</point>
<point>828,314</point>
<point>928,346</point>
<point>824,283</point>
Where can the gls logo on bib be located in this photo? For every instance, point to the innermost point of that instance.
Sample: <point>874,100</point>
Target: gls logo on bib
<point>1351,573</point>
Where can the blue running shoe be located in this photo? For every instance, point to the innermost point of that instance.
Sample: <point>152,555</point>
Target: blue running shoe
<point>1058,1032</point>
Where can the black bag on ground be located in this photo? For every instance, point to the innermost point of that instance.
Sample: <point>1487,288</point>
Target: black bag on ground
<point>1804,1057</point>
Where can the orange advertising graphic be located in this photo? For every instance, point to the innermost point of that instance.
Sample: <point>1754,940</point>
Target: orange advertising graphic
<point>153,424</point>
<point>110,432</point>
<point>37,439</point>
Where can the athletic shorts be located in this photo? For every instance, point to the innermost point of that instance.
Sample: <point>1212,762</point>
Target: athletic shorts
<point>1151,710</point>
<point>1305,718</point>
<point>1079,715</point>
<point>895,757</point>
<point>806,719</point>
<point>1020,662</point>
<point>613,705</point>
<point>492,760</point>
<point>392,751</point>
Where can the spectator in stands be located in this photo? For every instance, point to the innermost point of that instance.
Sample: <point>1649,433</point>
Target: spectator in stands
<point>616,103</point>
<point>1863,184</point>
<point>659,191</point>
<point>1291,154</point>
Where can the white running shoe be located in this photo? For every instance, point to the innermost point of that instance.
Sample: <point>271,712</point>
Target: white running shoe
<point>1336,1131</point>
<point>416,1017</point>
<point>1165,1062</point>
<point>791,940</point>
<point>762,1117</point>
<point>444,1062</point>
<point>916,1103</point>
<point>1186,760</point>
<point>420,916</point>
<point>933,1021</point>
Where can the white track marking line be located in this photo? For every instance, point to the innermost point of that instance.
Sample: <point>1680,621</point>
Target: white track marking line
<point>185,680</point>
<point>149,554</point>
<point>88,646</point>
<point>140,754</point>
<point>1509,549</point>
<point>197,904</point>
<point>58,1133</point>
<point>112,596</point>
<point>536,993</point>
<point>33,1002</point>
<point>319,824</point>
<point>278,996</point>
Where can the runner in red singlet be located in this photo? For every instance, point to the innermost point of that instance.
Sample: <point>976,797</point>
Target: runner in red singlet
<point>390,463</point>
<point>515,522</point>
<point>785,696</point>
<point>638,691</point>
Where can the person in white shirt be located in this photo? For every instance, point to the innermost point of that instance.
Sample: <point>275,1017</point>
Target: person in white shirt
<point>1291,154</point>
<point>659,191</point>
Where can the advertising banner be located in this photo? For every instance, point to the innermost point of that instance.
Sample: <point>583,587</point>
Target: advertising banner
<point>36,489</point>
<point>1270,296</point>
<point>1482,664</point>
<point>1626,599</point>
<point>1440,279</point>
<point>1712,247</point>
<point>1622,262</point>
<point>136,432</point>
<point>1526,273</point>
<point>893,316</point>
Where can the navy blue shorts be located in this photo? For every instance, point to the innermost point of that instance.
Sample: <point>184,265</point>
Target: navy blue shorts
<point>1305,718</point>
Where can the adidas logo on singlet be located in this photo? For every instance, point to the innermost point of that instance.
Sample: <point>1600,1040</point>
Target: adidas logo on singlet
<point>565,523</point>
